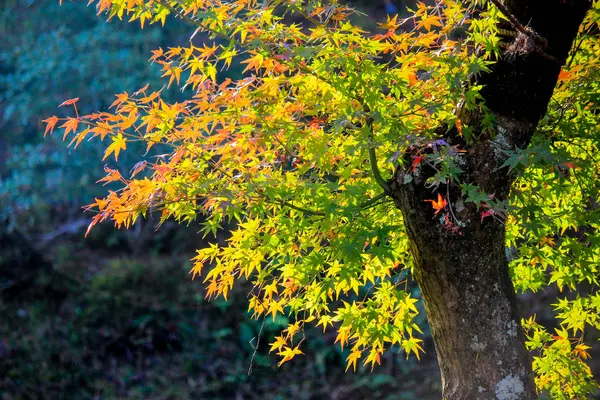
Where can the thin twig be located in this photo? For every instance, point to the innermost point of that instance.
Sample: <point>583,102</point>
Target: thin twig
<point>256,347</point>
<point>449,203</point>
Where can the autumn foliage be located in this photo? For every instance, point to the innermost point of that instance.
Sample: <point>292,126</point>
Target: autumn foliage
<point>298,152</point>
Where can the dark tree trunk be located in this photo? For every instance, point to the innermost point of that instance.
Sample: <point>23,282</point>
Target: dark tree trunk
<point>463,276</point>
<point>470,304</point>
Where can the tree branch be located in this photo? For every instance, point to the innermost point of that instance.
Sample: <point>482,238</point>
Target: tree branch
<point>513,20</point>
<point>302,209</point>
<point>373,160</point>
<point>372,201</point>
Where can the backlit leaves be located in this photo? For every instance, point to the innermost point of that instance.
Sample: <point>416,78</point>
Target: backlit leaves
<point>50,124</point>
<point>285,154</point>
<point>118,144</point>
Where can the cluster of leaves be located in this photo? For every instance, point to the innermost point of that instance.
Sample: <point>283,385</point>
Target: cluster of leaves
<point>560,366</point>
<point>292,152</point>
<point>283,152</point>
<point>553,230</point>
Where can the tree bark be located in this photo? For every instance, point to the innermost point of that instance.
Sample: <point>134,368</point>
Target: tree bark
<point>470,304</point>
<point>463,274</point>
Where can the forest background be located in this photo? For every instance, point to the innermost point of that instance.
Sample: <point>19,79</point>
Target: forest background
<point>116,315</point>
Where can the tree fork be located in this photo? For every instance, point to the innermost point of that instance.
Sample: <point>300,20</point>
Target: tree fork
<point>464,278</point>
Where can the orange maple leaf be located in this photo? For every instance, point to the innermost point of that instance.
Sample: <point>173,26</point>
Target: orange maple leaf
<point>121,98</point>
<point>70,126</point>
<point>565,75</point>
<point>438,205</point>
<point>70,101</point>
<point>50,124</point>
<point>113,175</point>
<point>571,165</point>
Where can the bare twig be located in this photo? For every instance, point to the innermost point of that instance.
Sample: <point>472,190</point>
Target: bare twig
<point>66,229</point>
<point>257,337</point>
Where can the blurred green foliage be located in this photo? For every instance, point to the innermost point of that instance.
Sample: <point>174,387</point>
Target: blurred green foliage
<point>139,329</point>
<point>48,54</point>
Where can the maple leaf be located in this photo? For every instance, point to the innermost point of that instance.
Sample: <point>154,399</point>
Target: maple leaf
<point>571,165</point>
<point>50,124</point>
<point>70,126</point>
<point>325,320</point>
<point>459,126</point>
<point>118,144</point>
<point>412,78</point>
<point>288,353</point>
<point>391,23</point>
<point>68,102</point>
<point>274,308</point>
<point>95,220</point>
<point>412,345</point>
<point>206,52</point>
<point>156,54</point>
<point>352,358</point>
<point>343,335</point>
<point>77,139</point>
<point>547,241</point>
<point>212,288</point>
<point>121,98</point>
<point>429,21</point>
<point>292,329</point>
<point>278,344</point>
<point>438,205</point>
<point>416,161</point>
<point>254,62</point>
<point>142,90</point>
<point>373,357</point>
<point>113,175</point>
<point>487,213</point>
<point>581,351</point>
<point>137,168</point>
<point>102,129</point>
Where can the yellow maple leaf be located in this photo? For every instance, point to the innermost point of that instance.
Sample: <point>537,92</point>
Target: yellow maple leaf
<point>118,144</point>
<point>288,353</point>
<point>278,344</point>
<point>352,358</point>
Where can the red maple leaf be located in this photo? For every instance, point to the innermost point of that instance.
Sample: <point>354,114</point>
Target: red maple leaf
<point>416,161</point>
<point>487,214</point>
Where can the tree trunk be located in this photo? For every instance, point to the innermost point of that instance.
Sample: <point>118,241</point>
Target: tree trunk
<point>471,306</point>
<point>463,273</point>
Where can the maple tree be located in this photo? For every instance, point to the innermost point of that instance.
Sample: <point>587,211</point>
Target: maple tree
<point>458,145</point>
